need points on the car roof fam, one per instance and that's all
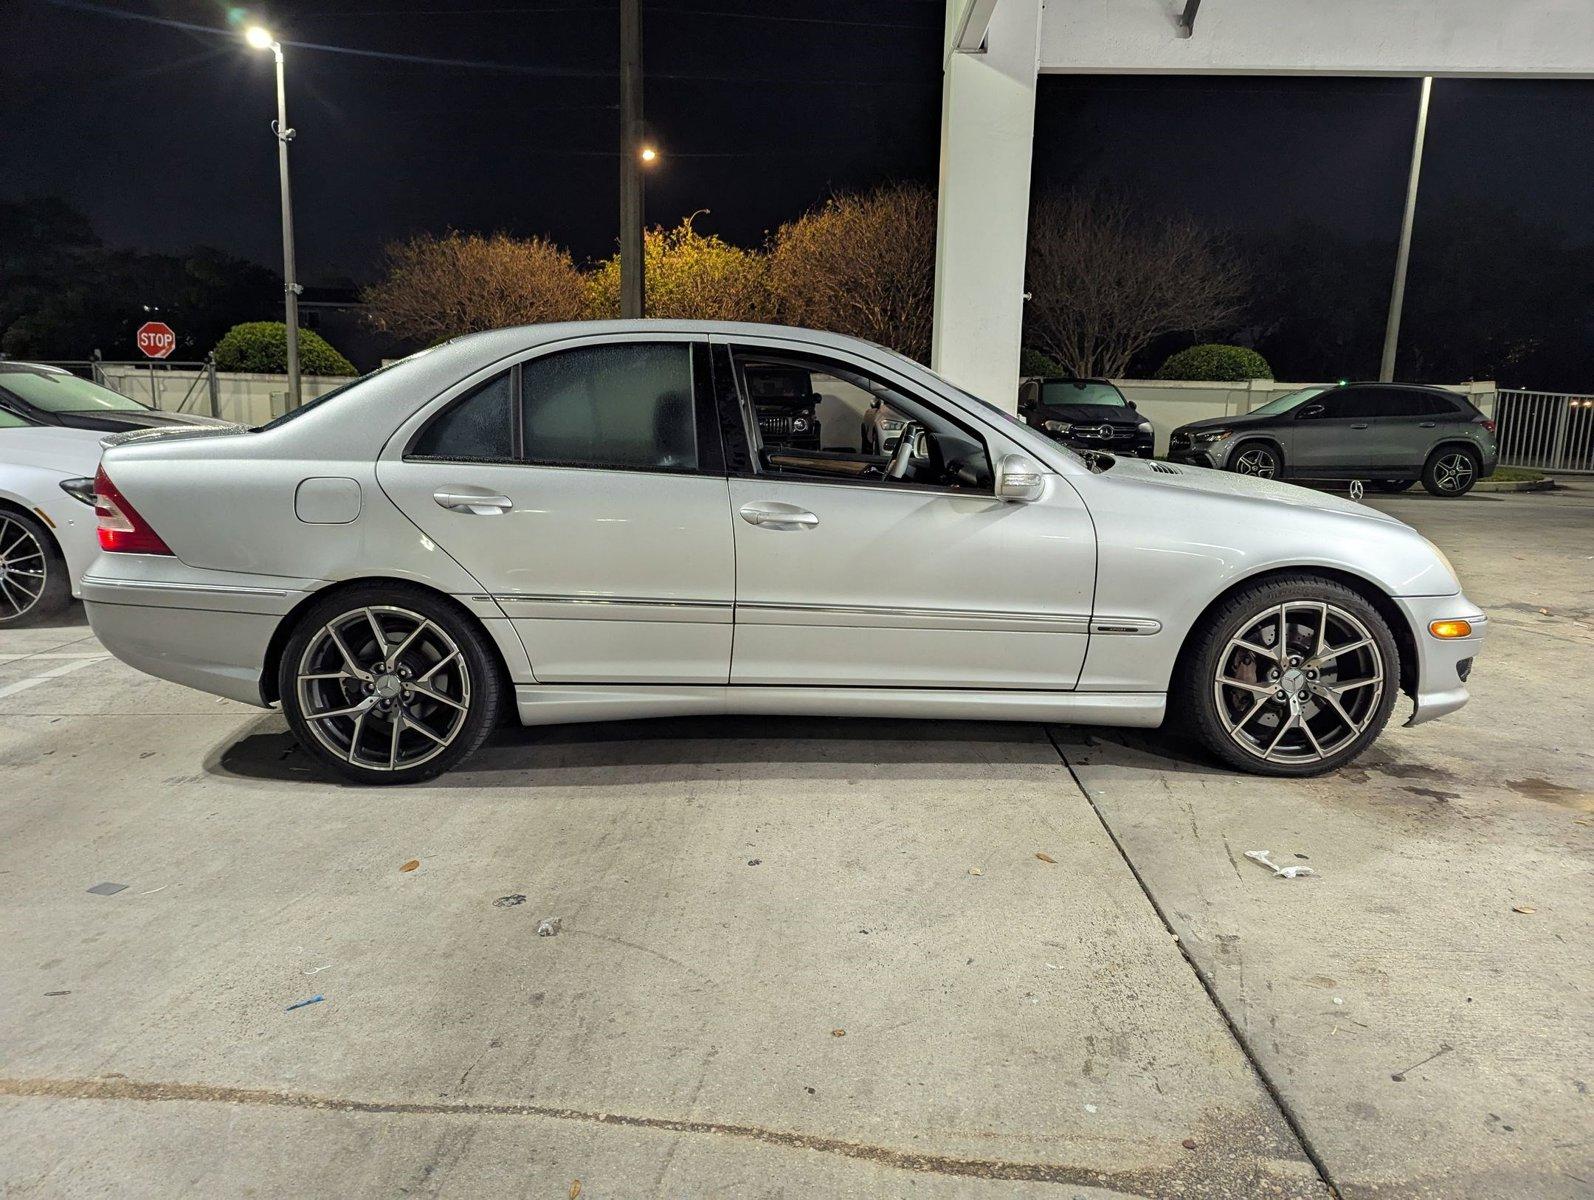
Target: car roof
(28, 368)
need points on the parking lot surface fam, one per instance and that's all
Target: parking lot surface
(825, 958)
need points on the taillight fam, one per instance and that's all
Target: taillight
(122, 530)
(1487, 423)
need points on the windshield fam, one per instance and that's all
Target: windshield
(1084, 391)
(1284, 403)
(59, 393)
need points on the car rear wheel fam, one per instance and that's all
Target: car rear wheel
(1451, 471)
(389, 685)
(33, 576)
(1393, 485)
(1295, 676)
(1255, 458)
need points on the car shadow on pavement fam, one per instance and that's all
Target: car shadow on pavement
(701, 748)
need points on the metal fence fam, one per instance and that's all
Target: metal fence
(1547, 431)
(188, 387)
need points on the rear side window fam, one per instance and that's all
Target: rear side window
(627, 405)
(478, 426)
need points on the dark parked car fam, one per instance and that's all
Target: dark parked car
(788, 407)
(1390, 433)
(42, 395)
(1085, 414)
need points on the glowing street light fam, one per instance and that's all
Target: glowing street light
(261, 39)
(649, 154)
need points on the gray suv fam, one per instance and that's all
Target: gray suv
(1392, 434)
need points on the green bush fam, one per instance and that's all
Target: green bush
(1033, 362)
(1221, 364)
(263, 346)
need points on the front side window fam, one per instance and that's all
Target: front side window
(58, 392)
(626, 405)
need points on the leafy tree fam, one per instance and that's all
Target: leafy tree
(1106, 279)
(263, 346)
(1223, 364)
(689, 276)
(862, 265)
(434, 288)
(1033, 362)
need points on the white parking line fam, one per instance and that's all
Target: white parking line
(66, 668)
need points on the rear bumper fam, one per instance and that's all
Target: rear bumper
(1443, 664)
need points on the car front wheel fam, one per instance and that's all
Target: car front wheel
(1254, 458)
(1451, 471)
(1295, 676)
(388, 685)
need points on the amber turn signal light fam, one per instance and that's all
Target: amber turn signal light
(1450, 629)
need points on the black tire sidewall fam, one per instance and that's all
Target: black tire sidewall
(487, 691)
(1200, 664)
(1430, 479)
(57, 593)
(1245, 447)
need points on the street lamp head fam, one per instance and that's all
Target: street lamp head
(649, 154)
(259, 37)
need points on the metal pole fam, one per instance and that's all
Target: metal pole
(631, 215)
(1397, 293)
(290, 285)
(214, 385)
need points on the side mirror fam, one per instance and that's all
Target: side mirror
(875, 403)
(1131, 404)
(1018, 480)
(1310, 411)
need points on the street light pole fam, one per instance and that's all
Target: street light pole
(262, 40)
(631, 152)
(1397, 293)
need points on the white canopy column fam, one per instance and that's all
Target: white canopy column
(987, 140)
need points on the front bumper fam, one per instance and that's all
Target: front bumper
(1199, 454)
(1142, 445)
(1443, 664)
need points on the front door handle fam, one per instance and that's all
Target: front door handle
(480, 504)
(1426, 425)
(1363, 425)
(773, 515)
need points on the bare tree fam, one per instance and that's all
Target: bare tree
(438, 287)
(862, 265)
(1105, 280)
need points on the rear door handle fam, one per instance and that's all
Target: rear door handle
(1363, 425)
(1426, 425)
(479, 504)
(773, 515)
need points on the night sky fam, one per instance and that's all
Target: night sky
(759, 109)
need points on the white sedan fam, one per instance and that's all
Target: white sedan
(47, 523)
(582, 522)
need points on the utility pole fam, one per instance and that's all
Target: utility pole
(631, 214)
(1397, 293)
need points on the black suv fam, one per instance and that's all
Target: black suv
(1390, 433)
(788, 407)
(1085, 414)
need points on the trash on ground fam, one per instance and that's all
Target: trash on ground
(549, 926)
(575, 1188)
(509, 901)
(107, 889)
(1188, 1143)
(318, 970)
(152, 891)
(1044, 857)
(753, 862)
(1400, 1076)
(976, 871)
(303, 1003)
(1524, 908)
(1261, 856)
(411, 865)
(1090, 1108)
(838, 1033)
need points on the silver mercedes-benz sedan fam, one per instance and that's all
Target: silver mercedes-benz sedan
(582, 521)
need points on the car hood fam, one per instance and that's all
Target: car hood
(1224, 423)
(72, 452)
(1248, 487)
(1089, 414)
(111, 422)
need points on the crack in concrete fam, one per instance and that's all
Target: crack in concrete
(1155, 1183)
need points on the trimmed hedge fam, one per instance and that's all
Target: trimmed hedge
(263, 346)
(1216, 363)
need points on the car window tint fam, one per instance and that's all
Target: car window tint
(622, 405)
(478, 426)
(1336, 405)
(1434, 406)
(11, 420)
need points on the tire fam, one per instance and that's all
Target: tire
(390, 733)
(1393, 485)
(1228, 694)
(34, 584)
(1256, 458)
(1450, 471)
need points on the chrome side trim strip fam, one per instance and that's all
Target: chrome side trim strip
(526, 605)
(200, 589)
(1133, 626)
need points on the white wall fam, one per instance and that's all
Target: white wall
(247, 397)
(1340, 37)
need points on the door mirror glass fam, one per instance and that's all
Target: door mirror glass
(1018, 479)
(1310, 411)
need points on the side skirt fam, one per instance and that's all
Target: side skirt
(562, 704)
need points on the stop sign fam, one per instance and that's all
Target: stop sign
(156, 339)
